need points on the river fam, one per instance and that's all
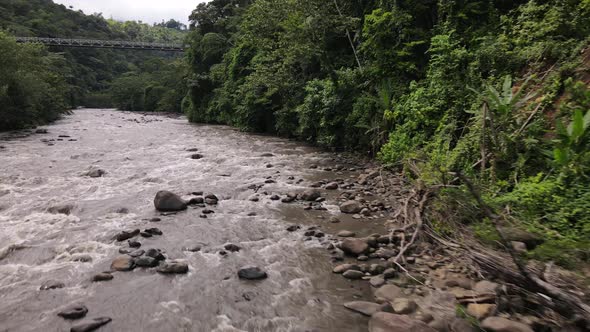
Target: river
(141, 155)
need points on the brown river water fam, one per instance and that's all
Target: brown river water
(142, 155)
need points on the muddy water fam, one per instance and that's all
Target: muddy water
(142, 155)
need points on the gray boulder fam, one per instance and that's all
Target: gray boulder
(351, 207)
(167, 201)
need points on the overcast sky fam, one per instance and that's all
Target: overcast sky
(148, 11)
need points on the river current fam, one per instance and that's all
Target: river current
(141, 155)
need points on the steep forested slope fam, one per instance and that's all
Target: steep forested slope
(90, 72)
(489, 88)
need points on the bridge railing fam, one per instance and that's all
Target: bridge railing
(97, 43)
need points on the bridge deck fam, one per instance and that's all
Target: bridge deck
(95, 43)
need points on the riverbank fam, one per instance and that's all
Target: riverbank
(324, 230)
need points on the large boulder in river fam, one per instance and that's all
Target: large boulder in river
(168, 201)
(351, 207)
(386, 322)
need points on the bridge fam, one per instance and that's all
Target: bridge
(96, 43)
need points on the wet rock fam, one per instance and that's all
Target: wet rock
(254, 198)
(354, 246)
(267, 155)
(74, 312)
(331, 186)
(252, 273)
(137, 253)
(375, 269)
(345, 267)
(96, 173)
(309, 233)
(333, 220)
(155, 220)
(351, 207)
(345, 233)
(61, 209)
(146, 261)
(386, 322)
(167, 201)
(310, 195)
(481, 310)
(134, 244)
(196, 201)
(500, 324)
(388, 293)
(91, 325)
(126, 235)
(122, 263)
(207, 212)
(211, 199)
(363, 307)
(197, 156)
(385, 253)
(125, 251)
(52, 284)
(195, 248)
(319, 234)
(403, 306)
(353, 275)
(173, 267)
(155, 253)
(363, 258)
(275, 198)
(154, 231)
(232, 247)
(293, 228)
(192, 150)
(103, 276)
(389, 273)
(146, 234)
(290, 198)
(377, 281)
(41, 131)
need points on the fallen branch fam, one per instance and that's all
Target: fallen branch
(573, 306)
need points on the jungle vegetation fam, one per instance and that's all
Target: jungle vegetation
(87, 77)
(495, 89)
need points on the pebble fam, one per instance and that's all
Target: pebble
(146, 261)
(363, 307)
(345, 233)
(155, 253)
(103, 276)
(75, 312)
(252, 273)
(293, 228)
(173, 267)
(126, 235)
(232, 247)
(137, 253)
(52, 284)
(91, 325)
(353, 275)
(134, 244)
(122, 263)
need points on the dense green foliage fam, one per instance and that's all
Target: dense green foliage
(32, 89)
(91, 73)
(486, 87)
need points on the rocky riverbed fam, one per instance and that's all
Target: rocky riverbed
(128, 222)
